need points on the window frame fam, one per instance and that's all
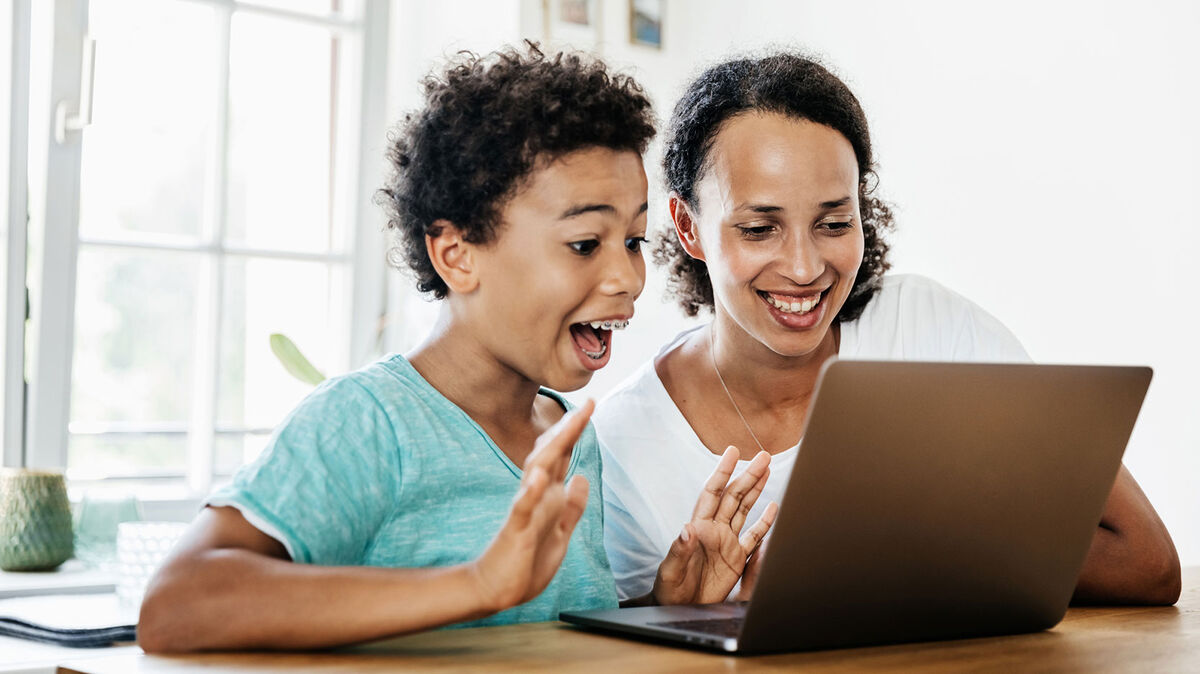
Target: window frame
(360, 77)
(12, 368)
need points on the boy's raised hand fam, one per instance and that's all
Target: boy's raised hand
(709, 556)
(524, 556)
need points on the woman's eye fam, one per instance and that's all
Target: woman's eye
(756, 231)
(584, 247)
(634, 244)
(837, 226)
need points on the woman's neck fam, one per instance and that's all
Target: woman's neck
(463, 370)
(762, 378)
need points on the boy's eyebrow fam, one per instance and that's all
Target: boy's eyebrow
(586, 208)
(596, 208)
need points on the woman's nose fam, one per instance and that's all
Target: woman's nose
(805, 262)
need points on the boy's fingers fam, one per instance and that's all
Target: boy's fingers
(532, 488)
(714, 487)
(577, 496)
(755, 534)
(739, 517)
(552, 451)
(739, 491)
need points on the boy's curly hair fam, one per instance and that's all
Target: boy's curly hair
(784, 83)
(486, 121)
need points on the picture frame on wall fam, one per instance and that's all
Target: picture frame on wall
(645, 22)
(572, 23)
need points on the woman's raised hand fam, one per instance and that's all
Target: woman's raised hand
(709, 555)
(522, 559)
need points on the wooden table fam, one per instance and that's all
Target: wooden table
(1138, 639)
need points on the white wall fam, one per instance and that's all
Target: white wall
(1042, 157)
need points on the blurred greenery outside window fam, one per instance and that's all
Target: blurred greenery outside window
(218, 194)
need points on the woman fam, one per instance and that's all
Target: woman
(770, 171)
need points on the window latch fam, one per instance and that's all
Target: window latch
(65, 122)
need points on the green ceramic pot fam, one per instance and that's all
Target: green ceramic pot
(35, 520)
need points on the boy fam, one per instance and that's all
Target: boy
(432, 490)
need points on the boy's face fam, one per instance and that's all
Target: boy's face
(567, 254)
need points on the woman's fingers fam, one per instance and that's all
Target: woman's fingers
(754, 536)
(552, 451)
(741, 493)
(751, 497)
(674, 568)
(714, 487)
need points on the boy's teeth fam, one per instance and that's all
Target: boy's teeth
(795, 305)
(596, 355)
(609, 325)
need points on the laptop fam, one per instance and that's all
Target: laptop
(928, 501)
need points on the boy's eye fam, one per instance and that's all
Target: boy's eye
(584, 247)
(634, 243)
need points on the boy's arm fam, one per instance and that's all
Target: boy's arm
(229, 586)
(1132, 559)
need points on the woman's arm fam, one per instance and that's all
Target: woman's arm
(710, 554)
(229, 586)
(1132, 559)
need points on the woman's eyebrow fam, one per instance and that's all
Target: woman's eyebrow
(836, 203)
(758, 208)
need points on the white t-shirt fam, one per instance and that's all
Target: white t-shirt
(655, 465)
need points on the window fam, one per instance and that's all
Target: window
(209, 183)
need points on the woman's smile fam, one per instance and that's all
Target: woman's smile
(795, 311)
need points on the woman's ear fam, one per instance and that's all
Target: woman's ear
(685, 227)
(452, 257)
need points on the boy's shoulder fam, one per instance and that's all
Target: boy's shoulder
(389, 381)
(388, 388)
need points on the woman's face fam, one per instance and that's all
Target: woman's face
(778, 226)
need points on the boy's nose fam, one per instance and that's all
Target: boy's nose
(625, 275)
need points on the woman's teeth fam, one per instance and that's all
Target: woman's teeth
(794, 305)
(595, 355)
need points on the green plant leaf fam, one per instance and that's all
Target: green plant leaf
(294, 361)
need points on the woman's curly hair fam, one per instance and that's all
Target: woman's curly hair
(782, 83)
(486, 121)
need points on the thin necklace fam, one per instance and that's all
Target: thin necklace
(712, 351)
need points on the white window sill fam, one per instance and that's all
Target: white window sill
(73, 577)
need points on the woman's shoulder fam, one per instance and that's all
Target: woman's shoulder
(632, 398)
(914, 317)
(639, 409)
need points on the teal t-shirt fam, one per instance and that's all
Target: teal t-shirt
(376, 468)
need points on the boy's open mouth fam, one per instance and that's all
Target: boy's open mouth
(592, 338)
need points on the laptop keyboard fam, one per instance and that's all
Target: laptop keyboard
(723, 627)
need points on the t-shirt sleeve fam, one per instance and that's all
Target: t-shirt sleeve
(916, 318)
(622, 425)
(631, 553)
(328, 479)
